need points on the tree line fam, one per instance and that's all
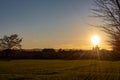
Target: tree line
(56, 54)
(11, 48)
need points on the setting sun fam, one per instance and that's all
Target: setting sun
(95, 40)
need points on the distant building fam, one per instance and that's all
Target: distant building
(96, 48)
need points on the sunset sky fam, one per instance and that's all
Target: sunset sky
(50, 23)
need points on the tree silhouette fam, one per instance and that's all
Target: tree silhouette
(10, 42)
(109, 11)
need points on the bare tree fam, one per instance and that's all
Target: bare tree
(10, 42)
(109, 11)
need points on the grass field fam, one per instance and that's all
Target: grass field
(59, 70)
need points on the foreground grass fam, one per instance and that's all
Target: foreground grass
(59, 70)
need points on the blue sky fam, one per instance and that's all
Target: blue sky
(48, 23)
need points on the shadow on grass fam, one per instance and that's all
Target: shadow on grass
(20, 78)
(46, 73)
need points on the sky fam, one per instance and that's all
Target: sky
(50, 23)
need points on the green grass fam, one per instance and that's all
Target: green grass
(59, 70)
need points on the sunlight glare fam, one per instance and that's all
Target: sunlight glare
(95, 40)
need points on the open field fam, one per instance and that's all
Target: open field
(59, 70)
